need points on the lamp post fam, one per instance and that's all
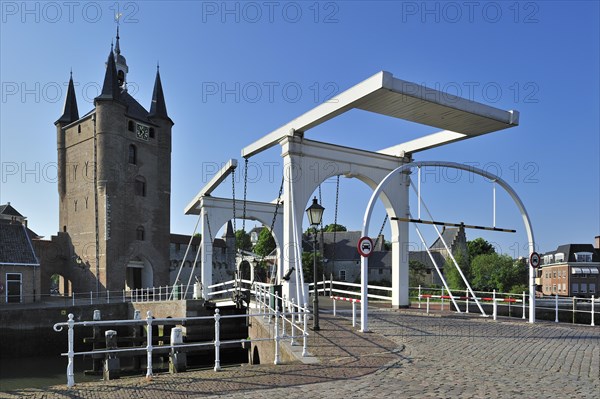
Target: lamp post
(315, 215)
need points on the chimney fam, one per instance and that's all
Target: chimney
(597, 245)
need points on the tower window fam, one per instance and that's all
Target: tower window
(151, 132)
(132, 154)
(140, 186)
(131, 126)
(139, 233)
(79, 129)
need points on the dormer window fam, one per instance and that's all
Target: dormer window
(559, 257)
(583, 256)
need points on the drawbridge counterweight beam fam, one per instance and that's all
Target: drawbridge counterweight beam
(466, 226)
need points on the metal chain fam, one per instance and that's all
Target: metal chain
(209, 231)
(233, 197)
(277, 206)
(381, 230)
(337, 195)
(245, 189)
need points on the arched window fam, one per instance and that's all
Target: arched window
(131, 126)
(132, 154)
(140, 186)
(151, 132)
(139, 233)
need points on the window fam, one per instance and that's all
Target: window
(132, 154)
(559, 257)
(151, 132)
(131, 126)
(575, 288)
(554, 274)
(79, 129)
(583, 256)
(342, 275)
(553, 287)
(139, 233)
(583, 287)
(592, 288)
(178, 247)
(564, 287)
(140, 186)
(14, 287)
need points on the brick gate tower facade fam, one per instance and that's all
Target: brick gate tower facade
(114, 184)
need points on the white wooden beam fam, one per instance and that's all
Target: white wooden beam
(424, 143)
(213, 183)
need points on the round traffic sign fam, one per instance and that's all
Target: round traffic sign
(534, 259)
(365, 246)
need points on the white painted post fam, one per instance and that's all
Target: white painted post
(70, 351)
(91, 298)
(217, 341)
(149, 344)
(293, 318)
(419, 289)
(353, 314)
(73, 298)
(276, 361)
(556, 308)
(495, 307)
(467, 306)
(107, 296)
(523, 305)
(304, 331)
(442, 298)
(592, 324)
(427, 305)
(333, 306)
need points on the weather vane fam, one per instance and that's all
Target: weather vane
(118, 17)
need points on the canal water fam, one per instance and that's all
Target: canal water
(40, 372)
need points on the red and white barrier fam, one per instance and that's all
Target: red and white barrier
(354, 302)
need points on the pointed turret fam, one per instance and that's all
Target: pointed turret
(158, 108)
(70, 112)
(121, 64)
(110, 88)
(229, 230)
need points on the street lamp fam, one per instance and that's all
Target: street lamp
(315, 215)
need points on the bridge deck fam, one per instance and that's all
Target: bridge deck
(406, 355)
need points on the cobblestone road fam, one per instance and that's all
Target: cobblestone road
(406, 355)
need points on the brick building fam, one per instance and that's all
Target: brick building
(571, 270)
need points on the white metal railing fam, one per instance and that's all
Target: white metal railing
(516, 304)
(279, 334)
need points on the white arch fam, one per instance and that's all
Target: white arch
(453, 165)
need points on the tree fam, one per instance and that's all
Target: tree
(479, 246)
(499, 272)
(451, 273)
(307, 266)
(330, 228)
(242, 240)
(265, 244)
(417, 273)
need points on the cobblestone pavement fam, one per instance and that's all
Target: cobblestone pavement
(405, 355)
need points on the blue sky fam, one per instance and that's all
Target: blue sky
(234, 71)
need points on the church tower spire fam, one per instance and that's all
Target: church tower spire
(70, 112)
(121, 64)
(158, 107)
(110, 88)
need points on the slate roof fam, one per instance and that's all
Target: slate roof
(571, 249)
(7, 209)
(448, 234)
(15, 245)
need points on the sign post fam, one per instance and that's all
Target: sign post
(534, 260)
(365, 246)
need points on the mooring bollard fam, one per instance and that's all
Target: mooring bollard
(112, 364)
(177, 359)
